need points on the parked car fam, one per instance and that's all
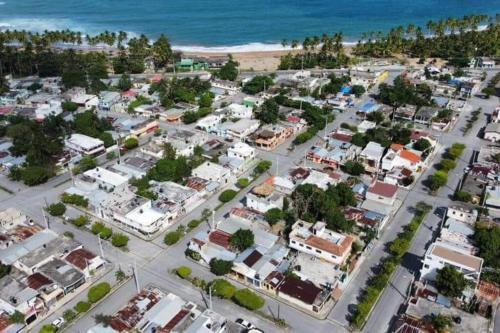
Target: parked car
(58, 322)
(245, 324)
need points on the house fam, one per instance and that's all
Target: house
(321, 179)
(242, 151)
(137, 127)
(79, 96)
(154, 149)
(270, 136)
(463, 213)
(101, 178)
(210, 122)
(17, 296)
(85, 261)
(241, 129)
(458, 232)
(52, 108)
(320, 242)
(485, 63)
(368, 107)
(370, 156)
(208, 322)
(107, 99)
(335, 154)
(263, 198)
(252, 102)
(441, 254)
(85, 145)
(492, 132)
(227, 87)
(366, 125)
(303, 293)
(183, 141)
(134, 166)
(426, 114)
(382, 192)
(173, 199)
(492, 194)
(405, 113)
(63, 274)
(239, 111)
(213, 172)
(398, 156)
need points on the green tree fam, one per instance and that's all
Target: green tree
(183, 272)
(69, 315)
(273, 216)
(269, 112)
(57, 209)
(80, 221)
(162, 51)
(172, 237)
(438, 180)
(354, 168)
(447, 164)
(227, 195)
(220, 267)
(243, 182)
(248, 299)
(125, 83)
(86, 163)
(82, 307)
(206, 100)
(131, 143)
(221, 288)
(440, 323)
(119, 240)
(422, 144)
(17, 318)
(69, 106)
(262, 167)
(242, 239)
(257, 84)
(450, 282)
(229, 71)
(98, 291)
(358, 90)
(487, 239)
(120, 275)
(48, 329)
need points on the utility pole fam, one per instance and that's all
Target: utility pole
(119, 150)
(136, 278)
(212, 227)
(210, 297)
(100, 246)
(277, 166)
(45, 219)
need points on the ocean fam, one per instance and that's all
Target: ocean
(233, 25)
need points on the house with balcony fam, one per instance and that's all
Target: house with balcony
(371, 157)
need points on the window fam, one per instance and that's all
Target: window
(293, 242)
(426, 266)
(318, 251)
(308, 247)
(300, 244)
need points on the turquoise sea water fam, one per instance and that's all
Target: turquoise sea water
(233, 22)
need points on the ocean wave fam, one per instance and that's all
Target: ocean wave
(40, 25)
(2, 3)
(244, 48)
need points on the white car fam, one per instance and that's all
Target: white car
(58, 322)
(244, 323)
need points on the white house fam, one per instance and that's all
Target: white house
(80, 97)
(462, 213)
(241, 129)
(492, 132)
(320, 242)
(239, 111)
(213, 172)
(398, 156)
(370, 156)
(85, 145)
(101, 178)
(52, 108)
(210, 122)
(241, 151)
(442, 254)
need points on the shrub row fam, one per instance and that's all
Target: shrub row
(117, 239)
(440, 177)
(379, 282)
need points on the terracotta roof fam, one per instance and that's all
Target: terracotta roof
(397, 146)
(80, 258)
(252, 258)
(410, 156)
(37, 280)
(174, 321)
(341, 137)
(220, 238)
(406, 172)
(4, 322)
(293, 119)
(326, 245)
(383, 189)
(263, 189)
(299, 173)
(488, 291)
(415, 135)
(305, 291)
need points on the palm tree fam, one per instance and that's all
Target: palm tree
(284, 43)
(295, 44)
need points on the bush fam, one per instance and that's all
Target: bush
(192, 254)
(48, 329)
(106, 233)
(183, 271)
(75, 199)
(80, 221)
(399, 247)
(227, 195)
(463, 196)
(69, 315)
(447, 164)
(248, 299)
(273, 216)
(439, 179)
(243, 182)
(82, 307)
(131, 143)
(172, 237)
(69, 106)
(97, 292)
(220, 267)
(69, 234)
(193, 224)
(97, 228)
(354, 168)
(57, 209)
(262, 167)
(242, 239)
(111, 155)
(222, 288)
(119, 240)
(305, 136)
